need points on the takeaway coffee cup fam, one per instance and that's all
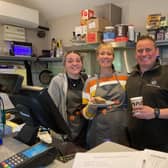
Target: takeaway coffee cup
(136, 102)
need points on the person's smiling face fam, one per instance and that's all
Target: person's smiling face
(73, 64)
(105, 57)
(146, 54)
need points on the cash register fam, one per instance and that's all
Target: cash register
(40, 110)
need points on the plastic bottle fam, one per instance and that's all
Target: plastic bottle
(60, 48)
(131, 33)
(53, 47)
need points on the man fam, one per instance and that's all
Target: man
(148, 125)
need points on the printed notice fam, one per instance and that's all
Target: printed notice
(108, 160)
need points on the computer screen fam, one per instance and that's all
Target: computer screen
(41, 108)
(10, 83)
(22, 49)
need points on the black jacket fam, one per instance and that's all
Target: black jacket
(153, 86)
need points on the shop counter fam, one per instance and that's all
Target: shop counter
(11, 146)
(104, 147)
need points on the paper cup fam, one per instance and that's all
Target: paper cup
(136, 102)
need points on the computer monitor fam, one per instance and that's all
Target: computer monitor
(21, 49)
(10, 83)
(41, 109)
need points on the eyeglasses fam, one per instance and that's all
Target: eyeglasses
(141, 50)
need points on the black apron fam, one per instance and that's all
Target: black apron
(77, 123)
(112, 125)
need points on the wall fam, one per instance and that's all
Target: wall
(139, 10)
(31, 34)
(133, 12)
(63, 27)
(38, 43)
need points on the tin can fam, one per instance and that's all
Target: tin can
(121, 33)
(121, 30)
(109, 34)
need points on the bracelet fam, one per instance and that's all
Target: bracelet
(156, 112)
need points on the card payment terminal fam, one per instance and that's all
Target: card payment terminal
(37, 155)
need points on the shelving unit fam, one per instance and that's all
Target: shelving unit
(124, 56)
(92, 47)
(163, 50)
(162, 43)
(28, 63)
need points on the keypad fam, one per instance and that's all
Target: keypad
(13, 161)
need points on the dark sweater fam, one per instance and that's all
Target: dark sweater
(153, 86)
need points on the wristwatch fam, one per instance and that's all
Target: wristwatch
(157, 112)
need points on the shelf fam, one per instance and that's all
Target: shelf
(162, 43)
(32, 59)
(92, 47)
(13, 58)
(82, 47)
(47, 59)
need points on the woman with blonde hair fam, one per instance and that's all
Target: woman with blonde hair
(104, 97)
(66, 91)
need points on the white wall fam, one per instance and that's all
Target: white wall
(62, 28)
(38, 44)
(140, 9)
(133, 12)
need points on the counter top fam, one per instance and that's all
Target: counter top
(11, 146)
(104, 147)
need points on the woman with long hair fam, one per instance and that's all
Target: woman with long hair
(66, 91)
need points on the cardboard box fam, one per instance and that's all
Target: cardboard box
(80, 30)
(83, 22)
(93, 37)
(97, 24)
(86, 14)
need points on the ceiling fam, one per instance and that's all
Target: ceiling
(51, 9)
